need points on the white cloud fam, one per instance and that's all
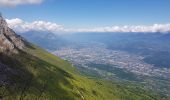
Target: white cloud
(22, 26)
(9, 3)
(139, 28)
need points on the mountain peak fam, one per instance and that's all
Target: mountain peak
(3, 23)
(0, 14)
(9, 40)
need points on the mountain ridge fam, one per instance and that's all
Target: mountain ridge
(9, 40)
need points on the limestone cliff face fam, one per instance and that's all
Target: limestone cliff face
(9, 40)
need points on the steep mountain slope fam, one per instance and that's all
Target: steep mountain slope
(27, 72)
(9, 41)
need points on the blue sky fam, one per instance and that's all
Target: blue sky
(87, 15)
(91, 13)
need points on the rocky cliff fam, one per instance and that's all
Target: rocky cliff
(9, 40)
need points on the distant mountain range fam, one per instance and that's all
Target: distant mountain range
(46, 40)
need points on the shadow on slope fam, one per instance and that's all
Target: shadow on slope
(24, 76)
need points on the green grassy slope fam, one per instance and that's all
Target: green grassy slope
(39, 75)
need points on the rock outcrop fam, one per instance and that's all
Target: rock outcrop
(9, 40)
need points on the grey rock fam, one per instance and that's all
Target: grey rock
(9, 40)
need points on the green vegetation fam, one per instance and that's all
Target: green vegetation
(118, 72)
(39, 75)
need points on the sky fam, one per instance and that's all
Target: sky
(88, 15)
